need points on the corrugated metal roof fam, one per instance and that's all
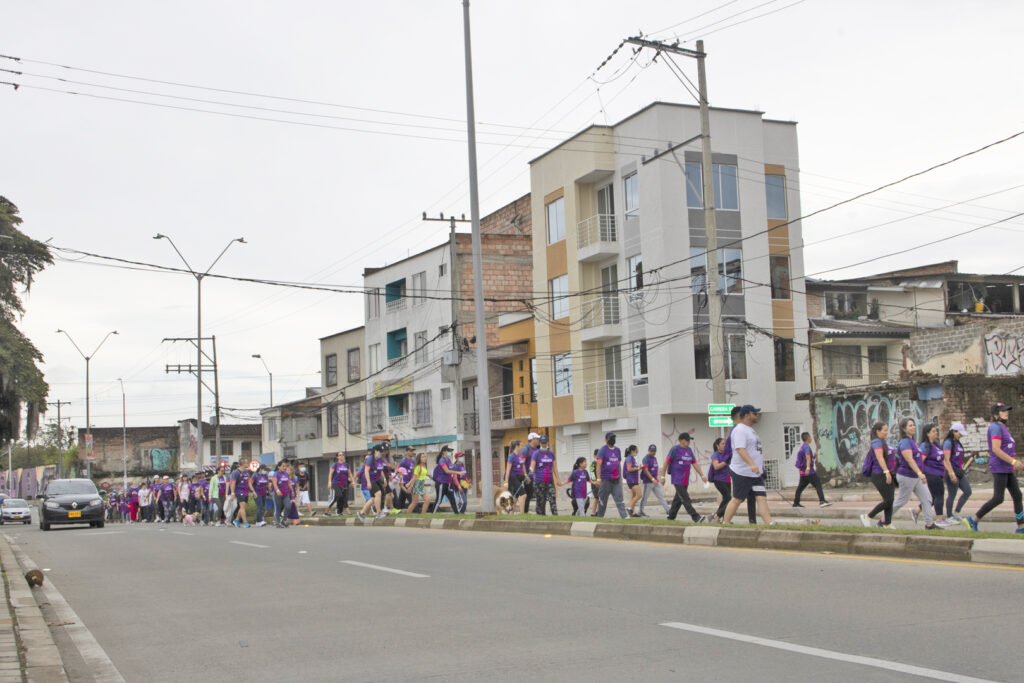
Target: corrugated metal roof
(858, 328)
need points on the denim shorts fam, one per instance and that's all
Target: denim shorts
(367, 495)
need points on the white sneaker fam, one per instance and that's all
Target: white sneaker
(866, 521)
(943, 523)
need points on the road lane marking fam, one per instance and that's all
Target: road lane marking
(181, 533)
(103, 533)
(385, 569)
(827, 654)
(251, 545)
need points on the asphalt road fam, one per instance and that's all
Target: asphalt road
(169, 603)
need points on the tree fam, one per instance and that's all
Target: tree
(21, 380)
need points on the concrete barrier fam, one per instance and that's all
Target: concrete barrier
(998, 551)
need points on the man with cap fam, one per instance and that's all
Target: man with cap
(1003, 464)
(678, 463)
(609, 476)
(734, 415)
(544, 473)
(649, 479)
(747, 465)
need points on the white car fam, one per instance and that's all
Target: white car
(15, 510)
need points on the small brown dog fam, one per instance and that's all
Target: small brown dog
(504, 504)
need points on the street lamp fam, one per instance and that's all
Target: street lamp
(124, 434)
(199, 334)
(88, 423)
(256, 355)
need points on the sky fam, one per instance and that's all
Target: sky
(340, 122)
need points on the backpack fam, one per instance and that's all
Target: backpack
(869, 461)
(436, 473)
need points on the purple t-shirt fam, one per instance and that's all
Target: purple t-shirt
(543, 460)
(442, 477)
(167, 491)
(241, 479)
(339, 474)
(579, 480)
(193, 486)
(933, 460)
(649, 463)
(259, 484)
(374, 473)
(408, 464)
(903, 468)
(611, 462)
(996, 465)
(133, 495)
(678, 464)
(887, 455)
(518, 462)
(632, 478)
(956, 453)
(721, 475)
(804, 456)
(284, 484)
(383, 468)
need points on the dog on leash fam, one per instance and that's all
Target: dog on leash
(504, 504)
(190, 520)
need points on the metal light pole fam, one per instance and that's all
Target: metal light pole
(88, 422)
(256, 355)
(124, 433)
(199, 335)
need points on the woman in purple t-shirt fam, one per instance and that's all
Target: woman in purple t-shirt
(934, 468)
(631, 470)
(1003, 464)
(718, 474)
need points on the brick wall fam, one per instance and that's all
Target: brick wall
(925, 344)
(968, 399)
(507, 274)
(815, 305)
(514, 218)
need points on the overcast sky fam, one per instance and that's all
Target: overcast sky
(880, 89)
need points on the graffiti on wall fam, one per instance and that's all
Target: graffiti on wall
(844, 424)
(188, 437)
(1004, 353)
(162, 459)
(27, 482)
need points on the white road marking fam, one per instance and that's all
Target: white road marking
(303, 552)
(251, 545)
(181, 533)
(385, 569)
(828, 654)
(103, 533)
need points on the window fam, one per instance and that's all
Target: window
(354, 419)
(332, 420)
(353, 365)
(791, 439)
(419, 342)
(640, 362)
(558, 288)
(846, 305)
(272, 429)
(842, 362)
(398, 346)
(446, 393)
(726, 192)
(562, 366)
(421, 412)
(331, 369)
(226, 447)
(533, 380)
(735, 356)
(775, 196)
(247, 449)
(785, 368)
(730, 264)
(373, 359)
(635, 268)
(394, 295)
(419, 287)
(375, 415)
(373, 303)
(442, 270)
(556, 220)
(779, 266)
(632, 195)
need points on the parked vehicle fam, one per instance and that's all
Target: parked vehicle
(70, 501)
(15, 510)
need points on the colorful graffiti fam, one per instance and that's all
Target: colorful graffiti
(844, 424)
(163, 459)
(1004, 353)
(27, 482)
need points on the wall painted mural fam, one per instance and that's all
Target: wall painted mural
(844, 424)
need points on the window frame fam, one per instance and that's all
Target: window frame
(373, 303)
(771, 187)
(559, 302)
(418, 287)
(373, 359)
(557, 205)
(348, 360)
(566, 360)
(635, 271)
(639, 364)
(331, 374)
(332, 419)
(779, 291)
(357, 408)
(695, 190)
(420, 407)
(421, 351)
(782, 348)
(632, 208)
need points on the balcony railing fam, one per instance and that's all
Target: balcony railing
(471, 423)
(839, 379)
(395, 304)
(608, 393)
(510, 407)
(600, 310)
(597, 228)
(397, 362)
(399, 421)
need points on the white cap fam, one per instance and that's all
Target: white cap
(532, 436)
(958, 427)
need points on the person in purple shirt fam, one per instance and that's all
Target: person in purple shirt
(339, 475)
(934, 468)
(1003, 464)
(167, 499)
(374, 481)
(544, 473)
(631, 475)
(882, 463)
(609, 476)
(443, 475)
(718, 475)
(579, 478)
(261, 490)
(527, 451)
(240, 492)
(459, 483)
(805, 463)
(678, 463)
(516, 470)
(649, 480)
(407, 463)
(910, 476)
(955, 475)
(284, 494)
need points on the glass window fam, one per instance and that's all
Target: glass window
(725, 181)
(562, 366)
(398, 346)
(775, 196)
(735, 356)
(373, 303)
(375, 415)
(272, 429)
(419, 342)
(373, 358)
(730, 265)
(842, 362)
(421, 412)
(533, 380)
(442, 270)
(556, 220)
(639, 362)
(791, 439)
(632, 193)
(785, 368)
(446, 393)
(331, 369)
(779, 266)
(354, 417)
(419, 287)
(332, 420)
(353, 365)
(694, 189)
(635, 267)
(558, 288)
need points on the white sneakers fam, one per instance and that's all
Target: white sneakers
(866, 521)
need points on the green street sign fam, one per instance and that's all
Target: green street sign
(719, 421)
(720, 408)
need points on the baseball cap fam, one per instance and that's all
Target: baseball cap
(652, 448)
(532, 436)
(748, 409)
(1000, 407)
(958, 427)
(544, 438)
(445, 448)
(685, 435)
(609, 435)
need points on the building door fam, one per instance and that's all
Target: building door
(609, 292)
(878, 371)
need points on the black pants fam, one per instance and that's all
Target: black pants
(403, 499)
(339, 498)
(528, 492)
(964, 486)
(682, 499)
(814, 481)
(887, 492)
(938, 490)
(1000, 483)
(446, 491)
(725, 488)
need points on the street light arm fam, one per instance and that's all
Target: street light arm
(122, 386)
(102, 342)
(256, 355)
(174, 246)
(240, 240)
(73, 343)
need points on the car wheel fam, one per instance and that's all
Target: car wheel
(99, 524)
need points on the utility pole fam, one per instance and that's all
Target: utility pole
(483, 381)
(88, 423)
(456, 313)
(124, 433)
(60, 435)
(197, 370)
(216, 403)
(716, 332)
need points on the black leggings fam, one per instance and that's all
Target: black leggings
(887, 491)
(445, 490)
(814, 481)
(964, 485)
(938, 490)
(1001, 482)
(725, 488)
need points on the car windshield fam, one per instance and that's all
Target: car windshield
(15, 503)
(70, 486)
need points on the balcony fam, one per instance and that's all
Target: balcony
(471, 423)
(397, 362)
(832, 380)
(608, 393)
(395, 304)
(596, 238)
(600, 318)
(398, 422)
(510, 411)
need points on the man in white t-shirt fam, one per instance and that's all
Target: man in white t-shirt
(747, 466)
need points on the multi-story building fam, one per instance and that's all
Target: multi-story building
(292, 430)
(342, 397)
(622, 341)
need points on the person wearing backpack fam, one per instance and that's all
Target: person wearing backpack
(544, 473)
(878, 467)
(805, 463)
(956, 477)
(443, 476)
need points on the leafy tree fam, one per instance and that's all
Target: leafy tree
(21, 380)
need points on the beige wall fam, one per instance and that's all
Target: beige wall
(340, 344)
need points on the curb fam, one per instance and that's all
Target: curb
(983, 550)
(37, 650)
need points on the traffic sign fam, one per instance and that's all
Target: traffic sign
(720, 408)
(719, 421)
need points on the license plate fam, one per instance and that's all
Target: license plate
(74, 513)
